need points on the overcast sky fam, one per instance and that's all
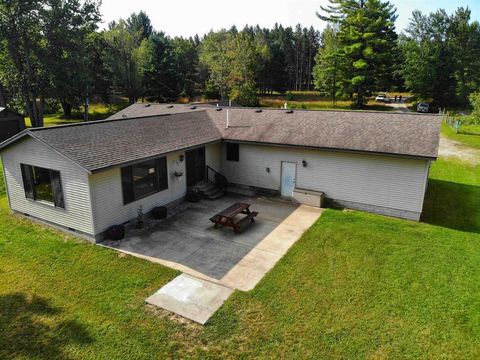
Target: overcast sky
(190, 17)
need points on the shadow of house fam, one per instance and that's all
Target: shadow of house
(453, 205)
(30, 328)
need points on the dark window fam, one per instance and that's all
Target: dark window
(42, 184)
(144, 179)
(233, 152)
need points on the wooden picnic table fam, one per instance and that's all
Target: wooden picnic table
(227, 216)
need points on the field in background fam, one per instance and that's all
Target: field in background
(311, 100)
(96, 112)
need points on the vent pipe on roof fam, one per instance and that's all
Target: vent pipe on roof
(228, 119)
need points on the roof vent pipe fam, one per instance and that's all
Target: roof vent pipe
(228, 119)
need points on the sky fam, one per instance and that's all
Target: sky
(189, 17)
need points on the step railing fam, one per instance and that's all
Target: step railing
(216, 178)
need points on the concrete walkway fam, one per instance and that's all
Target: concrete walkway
(188, 242)
(214, 262)
(192, 298)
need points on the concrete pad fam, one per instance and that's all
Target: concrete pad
(190, 297)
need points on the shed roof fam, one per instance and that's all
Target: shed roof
(140, 132)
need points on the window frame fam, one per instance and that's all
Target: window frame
(128, 183)
(29, 186)
(236, 149)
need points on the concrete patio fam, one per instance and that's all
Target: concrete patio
(189, 243)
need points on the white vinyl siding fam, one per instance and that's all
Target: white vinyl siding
(107, 197)
(376, 180)
(213, 156)
(77, 213)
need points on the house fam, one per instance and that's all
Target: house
(11, 123)
(87, 177)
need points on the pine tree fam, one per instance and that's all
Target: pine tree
(367, 38)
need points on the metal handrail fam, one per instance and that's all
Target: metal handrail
(216, 178)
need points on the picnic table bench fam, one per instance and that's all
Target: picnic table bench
(227, 216)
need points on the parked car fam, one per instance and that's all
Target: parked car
(423, 107)
(381, 98)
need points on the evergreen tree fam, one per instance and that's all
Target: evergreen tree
(328, 62)
(368, 40)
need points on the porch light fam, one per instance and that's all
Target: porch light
(182, 157)
(304, 163)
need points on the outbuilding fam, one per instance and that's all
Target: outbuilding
(87, 177)
(11, 123)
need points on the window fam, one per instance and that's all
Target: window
(233, 152)
(144, 179)
(42, 185)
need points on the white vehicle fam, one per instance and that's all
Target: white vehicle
(423, 107)
(381, 98)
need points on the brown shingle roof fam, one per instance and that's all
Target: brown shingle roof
(103, 144)
(160, 129)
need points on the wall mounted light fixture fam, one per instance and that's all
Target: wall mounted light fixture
(182, 157)
(304, 163)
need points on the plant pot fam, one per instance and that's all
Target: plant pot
(116, 232)
(178, 173)
(159, 212)
(193, 195)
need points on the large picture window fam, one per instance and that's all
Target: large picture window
(43, 185)
(144, 179)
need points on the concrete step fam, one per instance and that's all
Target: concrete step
(216, 195)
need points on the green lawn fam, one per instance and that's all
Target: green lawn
(355, 286)
(311, 100)
(96, 112)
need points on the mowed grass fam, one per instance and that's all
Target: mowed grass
(467, 139)
(355, 286)
(97, 111)
(311, 100)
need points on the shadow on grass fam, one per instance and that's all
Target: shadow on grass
(452, 205)
(29, 328)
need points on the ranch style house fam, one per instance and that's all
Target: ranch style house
(87, 177)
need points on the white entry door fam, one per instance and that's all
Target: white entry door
(289, 173)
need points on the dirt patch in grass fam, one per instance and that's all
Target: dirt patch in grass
(451, 148)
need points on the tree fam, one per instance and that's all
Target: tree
(140, 25)
(212, 55)
(243, 55)
(122, 45)
(326, 72)
(67, 25)
(368, 39)
(442, 56)
(185, 52)
(24, 64)
(158, 70)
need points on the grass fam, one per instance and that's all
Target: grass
(466, 139)
(311, 100)
(356, 285)
(96, 112)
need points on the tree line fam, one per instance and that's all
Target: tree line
(437, 58)
(53, 55)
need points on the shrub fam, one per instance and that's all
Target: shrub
(475, 102)
(245, 95)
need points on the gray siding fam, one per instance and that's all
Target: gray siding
(77, 213)
(373, 180)
(107, 198)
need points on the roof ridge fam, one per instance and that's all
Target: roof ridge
(86, 123)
